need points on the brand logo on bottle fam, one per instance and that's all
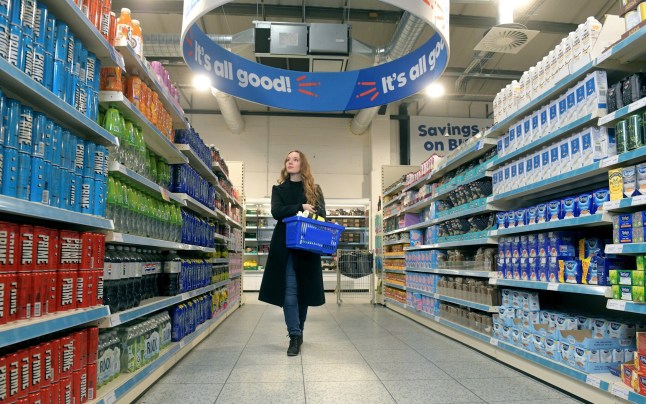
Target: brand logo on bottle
(73, 193)
(42, 249)
(13, 298)
(105, 24)
(68, 356)
(70, 250)
(14, 40)
(38, 67)
(27, 257)
(49, 366)
(83, 387)
(6, 248)
(99, 292)
(67, 292)
(91, 68)
(25, 130)
(85, 196)
(80, 99)
(99, 158)
(36, 363)
(70, 52)
(29, 59)
(14, 377)
(24, 372)
(37, 22)
(79, 290)
(80, 150)
(67, 399)
(28, 9)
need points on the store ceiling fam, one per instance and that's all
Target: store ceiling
(374, 23)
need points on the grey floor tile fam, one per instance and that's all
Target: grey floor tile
(197, 374)
(430, 391)
(477, 369)
(408, 371)
(316, 357)
(509, 389)
(369, 344)
(266, 357)
(206, 358)
(268, 373)
(393, 356)
(324, 345)
(359, 392)
(455, 354)
(563, 400)
(178, 393)
(262, 393)
(343, 372)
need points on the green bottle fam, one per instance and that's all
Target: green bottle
(131, 139)
(152, 162)
(111, 200)
(141, 149)
(112, 123)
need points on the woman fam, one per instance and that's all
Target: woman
(293, 279)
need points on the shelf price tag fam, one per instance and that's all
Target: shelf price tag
(605, 55)
(493, 281)
(611, 205)
(111, 398)
(117, 237)
(493, 341)
(610, 161)
(614, 304)
(115, 321)
(436, 318)
(614, 248)
(164, 193)
(553, 286)
(620, 391)
(636, 105)
(593, 381)
(638, 200)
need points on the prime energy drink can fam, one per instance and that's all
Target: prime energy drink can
(100, 166)
(5, 8)
(50, 48)
(53, 186)
(36, 359)
(79, 156)
(8, 246)
(28, 54)
(11, 122)
(39, 293)
(39, 126)
(24, 295)
(99, 198)
(39, 62)
(48, 140)
(5, 285)
(37, 182)
(14, 49)
(50, 304)
(66, 290)
(66, 349)
(23, 12)
(73, 192)
(70, 250)
(87, 195)
(89, 158)
(64, 189)
(44, 248)
(26, 248)
(25, 372)
(24, 176)
(66, 394)
(10, 172)
(63, 148)
(4, 37)
(40, 24)
(25, 129)
(55, 146)
(50, 353)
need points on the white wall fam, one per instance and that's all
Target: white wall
(341, 162)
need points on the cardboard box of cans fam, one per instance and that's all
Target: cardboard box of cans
(588, 344)
(476, 321)
(43, 271)
(60, 370)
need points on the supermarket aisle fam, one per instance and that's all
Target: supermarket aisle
(355, 353)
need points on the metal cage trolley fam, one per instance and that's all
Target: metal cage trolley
(355, 275)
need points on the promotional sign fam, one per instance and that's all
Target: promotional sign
(308, 91)
(440, 135)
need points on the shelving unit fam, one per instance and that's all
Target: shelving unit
(453, 272)
(455, 300)
(201, 167)
(129, 239)
(123, 172)
(576, 222)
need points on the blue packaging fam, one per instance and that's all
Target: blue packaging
(87, 195)
(561, 244)
(64, 188)
(61, 42)
(501, 146)
(27, 15)
(39, 64)
(543, 269)
(554, 156)
(533, 268)
(524, 269)
(47, 175)
(68, 152)
(28, 55)
(625, 220)
(511, 219)
(40, 24)
(553, 269)
(4, 36)
(48, 140)
(1, 163)
(515, 246)
(50, 46)
(93, 67)
(56, 144)
(24, 175)
(89, 157)
(25, 129)
(4, 8)
(532, 245)
(14, 50)
(541, 213)
(53, 185)
(569, 207)
(570, 271)
(521, 217)
(101, 163)
(625, 235)
(10, 172)
(599, 197)
(542, 244)
(524, 247)
(75, 193)
(554, 212)
(37, 181)
(99, 199)
(80, 59)
(501, 220)
(592, 247)
(3, 114)
(532, 214)
(512, 137)
(59, 79)
(562, 109)
(11, 122)
(501, 266)
(585, 205)
(38, 129)
(513, 271)
(537, 164)
(571, 100)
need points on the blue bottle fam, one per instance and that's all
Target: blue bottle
(89, 158)
(56, 145)
(64, 189)
(79, 156)
(10, 172)
(39, 127)
(25, 129)
(11, 122)
(50, 45)
(14, 50)
(87, 195)
(99, 199)
(53, 186)
(40, 24)
(4, 36)
(24, 175)
(28, 55)
(37, 181)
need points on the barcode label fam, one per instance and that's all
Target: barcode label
(493, 341)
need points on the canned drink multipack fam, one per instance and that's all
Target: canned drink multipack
(26, 248)
(8, 246)
(65, 290)
(70, 250)
(36, 366)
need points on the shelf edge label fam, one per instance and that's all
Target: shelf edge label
(593, 381)
(620, 391)
(614, 304)
(614, 248)
(553, 286)
(609, 161)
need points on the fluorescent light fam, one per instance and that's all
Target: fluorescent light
(201, 82)
(435, 90)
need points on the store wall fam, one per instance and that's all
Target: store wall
(341, 161)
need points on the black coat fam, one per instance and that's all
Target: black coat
(286, 201)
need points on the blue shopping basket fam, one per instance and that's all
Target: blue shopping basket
(312, 235)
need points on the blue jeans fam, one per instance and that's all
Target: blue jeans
(295, 314)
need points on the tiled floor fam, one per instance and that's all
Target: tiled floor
(355, 353)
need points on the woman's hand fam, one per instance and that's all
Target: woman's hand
(309, 208)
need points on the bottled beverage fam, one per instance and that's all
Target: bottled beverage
(134, 91)
(141, 150)
(152, 166)
(111, 275)
(124, 281)
(117, 346)
(124, 28)
(112, 123)
(111, 201)
(129, 354)
(131, 158)
(137, 39)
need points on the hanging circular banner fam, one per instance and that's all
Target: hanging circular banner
(319, 92)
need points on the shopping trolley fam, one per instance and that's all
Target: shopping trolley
(354, 275)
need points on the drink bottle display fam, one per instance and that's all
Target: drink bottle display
(183, 275)
(196, 230)
(192, 138)
(188, 181)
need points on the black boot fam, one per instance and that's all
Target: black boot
(294, 346)
(300, 340)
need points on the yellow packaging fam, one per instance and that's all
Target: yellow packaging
(642, 11)
(616, 184)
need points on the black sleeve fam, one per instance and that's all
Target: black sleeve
(320, 202)
(279, 210)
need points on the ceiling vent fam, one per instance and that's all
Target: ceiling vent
(506, 39)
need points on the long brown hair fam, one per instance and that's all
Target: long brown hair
(311, 191)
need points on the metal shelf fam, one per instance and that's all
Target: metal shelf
(455, 300)
(626, 306)
(201, 167)
(454, 272)
(395, 302)
(452, 244)
(155, 140)
(394, 285)
(220, 237)
(465, 180)
(394, 189)
(198, 207)
(232, 222)
(130, 239)
(220, 260)
(556, 287)
(600, 219)
(484, 208)
(235, 276)
(400, 256)
(69, 13)
(546, 140)
(128, 386)
(35, 210)
(134, 65)
(392, 215)
(218, 169)
(25, 330)
(398, 242)
(393, 271)
(629, 248)
(124, 172)
(622, 113)
(418, 206)
(393, 201)
(155, 304)
(464, 330)
(258, 254)
(18, 85)
(625, 204)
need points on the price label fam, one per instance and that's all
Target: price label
(593, 381)
(182, 343)
(437, 318)
(638, 200)
(610, 161)
(614, 248)
(114, 321)
(605, 55)
(620, 391)
(117, 237)
(493, 341)
(111, 398)
(493, 281)
(553, 286)
(614, 304)
(164, 193)
(610, 205)
(636, 105)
